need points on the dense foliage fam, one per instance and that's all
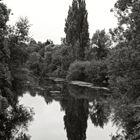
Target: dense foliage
(13, 76)
(107, 60)
(76, 29)
(124, 68)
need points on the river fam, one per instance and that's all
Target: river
(67, 113)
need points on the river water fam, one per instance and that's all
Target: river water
(66, 114)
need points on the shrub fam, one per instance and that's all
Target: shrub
(77, 70)
(97, 72)
(94, 71)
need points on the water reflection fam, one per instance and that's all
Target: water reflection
(77, 109)
(48, 120)
(77, 104)
(75, 119)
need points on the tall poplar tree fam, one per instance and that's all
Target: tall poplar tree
(76, 28)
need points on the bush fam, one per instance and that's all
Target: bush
(77, 70)
(94, 71)
(97, 72)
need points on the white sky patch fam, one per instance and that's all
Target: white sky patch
(47, 17)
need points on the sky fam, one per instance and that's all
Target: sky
(47, 17)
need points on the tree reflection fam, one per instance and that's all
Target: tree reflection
(99, 113)
(78, 105)
(75, 119)
(76, 115)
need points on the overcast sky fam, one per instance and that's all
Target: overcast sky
(48, 16)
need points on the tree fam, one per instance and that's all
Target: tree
(76, 28)
(17, 43)
(124, 67)
(102, 42)
(12, 56)
(4, 17)
(14, 122)
(5, 74)
(22, 28)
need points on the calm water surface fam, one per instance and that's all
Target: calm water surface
(60, 120)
